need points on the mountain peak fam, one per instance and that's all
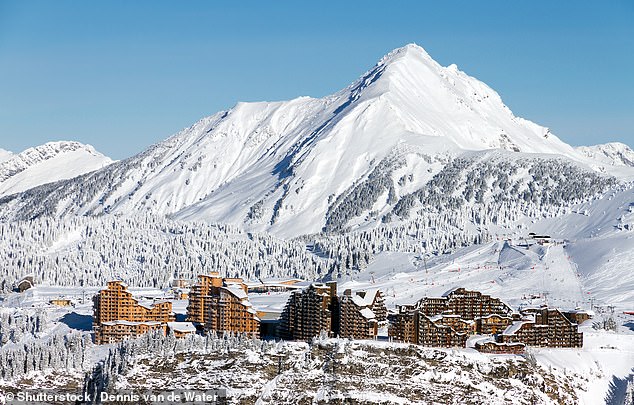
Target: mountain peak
(408, 52)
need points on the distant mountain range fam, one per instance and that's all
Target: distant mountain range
(47, 163)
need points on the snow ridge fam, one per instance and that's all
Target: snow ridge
(46, 163)
(613, 153)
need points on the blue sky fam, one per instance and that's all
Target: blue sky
(122, 75)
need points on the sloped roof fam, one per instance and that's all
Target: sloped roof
(183, 327)
(367, 313)
(514, 327)
(236, 291)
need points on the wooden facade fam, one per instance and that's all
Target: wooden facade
(222, 305)
(430, 333)
(543, 327)
(357, 320)
(376, 302)
(492, 324)
(578, 316)
(318, 309)
(413, 326)
(61, 302)
(309, 312)
(448, 320)
(467, 304)
(499, 348)
(403, 327)
(117, 315)
(117, 331)
(24, 284)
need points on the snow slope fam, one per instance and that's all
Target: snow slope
(284, 167)
(613, 154)
(47, 163)
(615, 158)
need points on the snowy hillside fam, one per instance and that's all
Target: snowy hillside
(47, 163)
(613, 153)
(615, 158)
(292, 167)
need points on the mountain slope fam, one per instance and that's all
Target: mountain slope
(283, 167)
(47, 163)
(612, 154)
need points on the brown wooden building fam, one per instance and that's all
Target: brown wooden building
(118, 315)
(116, 331)
(543, 327)
(357, 320)
(222, 305)
(465, 303)
(492, 324)
(309, 312)
(374, 300)
(413, 326)
(493, 347)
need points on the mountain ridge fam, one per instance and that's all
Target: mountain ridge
(283, 167)
(50, 162)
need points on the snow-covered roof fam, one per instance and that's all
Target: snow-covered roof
(146, 305)
(496, 315)
(270, 281)
(514, 327)
(367, 313)
(235, 290)
(435, 318)
(367, 299)
(448, 292)
(183, 327)
(358, 301)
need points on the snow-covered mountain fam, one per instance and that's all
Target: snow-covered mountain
(341, 162)
(612, 154)
(47, 163)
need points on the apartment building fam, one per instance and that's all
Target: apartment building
(543, 327)
(118, 315)
(309, 312)
(222, 305)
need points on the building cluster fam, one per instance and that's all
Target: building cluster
(118, 315)
(452, 319)
(318, 309)
(215, 304)
(222, 305)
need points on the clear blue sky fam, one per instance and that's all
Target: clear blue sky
(122, 75)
